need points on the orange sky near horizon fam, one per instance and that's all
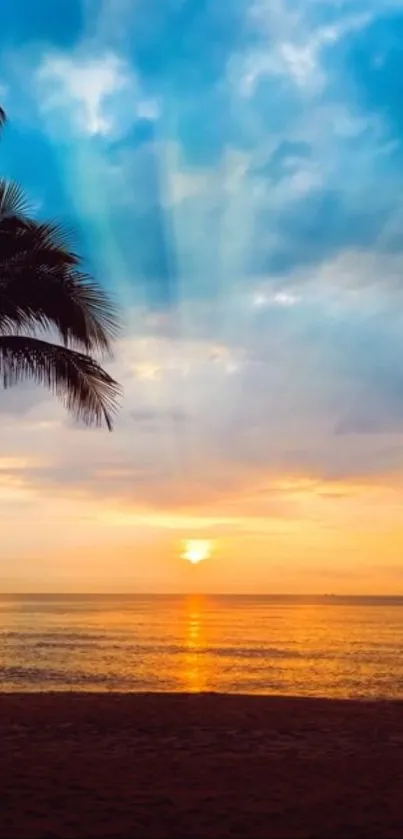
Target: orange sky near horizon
(341, 538)
(85, 511)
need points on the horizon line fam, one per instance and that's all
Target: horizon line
(330, 596)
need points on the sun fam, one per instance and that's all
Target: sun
(195, 550)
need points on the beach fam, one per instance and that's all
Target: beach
(202, 765)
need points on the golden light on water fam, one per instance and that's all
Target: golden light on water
(197, 661)
(195, 550)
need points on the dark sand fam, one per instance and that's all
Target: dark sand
(199, 766)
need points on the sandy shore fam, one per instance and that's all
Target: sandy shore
(199, 766)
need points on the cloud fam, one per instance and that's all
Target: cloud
(311, 390)
(153, 417)
(99, 93)
(292, 42)
(370, 63)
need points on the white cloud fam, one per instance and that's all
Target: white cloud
(87, 83)
(291, 46)
(184, 182)
(349, 282)
(153, 358)
(99, 94)
(261, 299)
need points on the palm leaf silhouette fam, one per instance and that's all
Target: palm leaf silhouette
(84, 387)
(3, 117)
(42, 287)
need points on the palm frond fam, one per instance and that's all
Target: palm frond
(22, 236)
(93, 320)
(73, 303)
(87, 391)
(41, 287)
(13, 201)
(52, 236)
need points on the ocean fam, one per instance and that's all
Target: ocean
(305, 646)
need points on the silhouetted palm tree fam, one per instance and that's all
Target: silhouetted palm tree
(42, 287)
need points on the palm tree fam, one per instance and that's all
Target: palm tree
(43, 287)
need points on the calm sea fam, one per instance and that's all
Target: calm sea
(309, 646)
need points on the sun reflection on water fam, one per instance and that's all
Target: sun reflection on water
(195, 662)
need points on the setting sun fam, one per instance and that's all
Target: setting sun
(196, 550)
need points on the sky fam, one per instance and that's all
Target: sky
(233, 173)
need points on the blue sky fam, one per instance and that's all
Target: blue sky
(233, 172)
